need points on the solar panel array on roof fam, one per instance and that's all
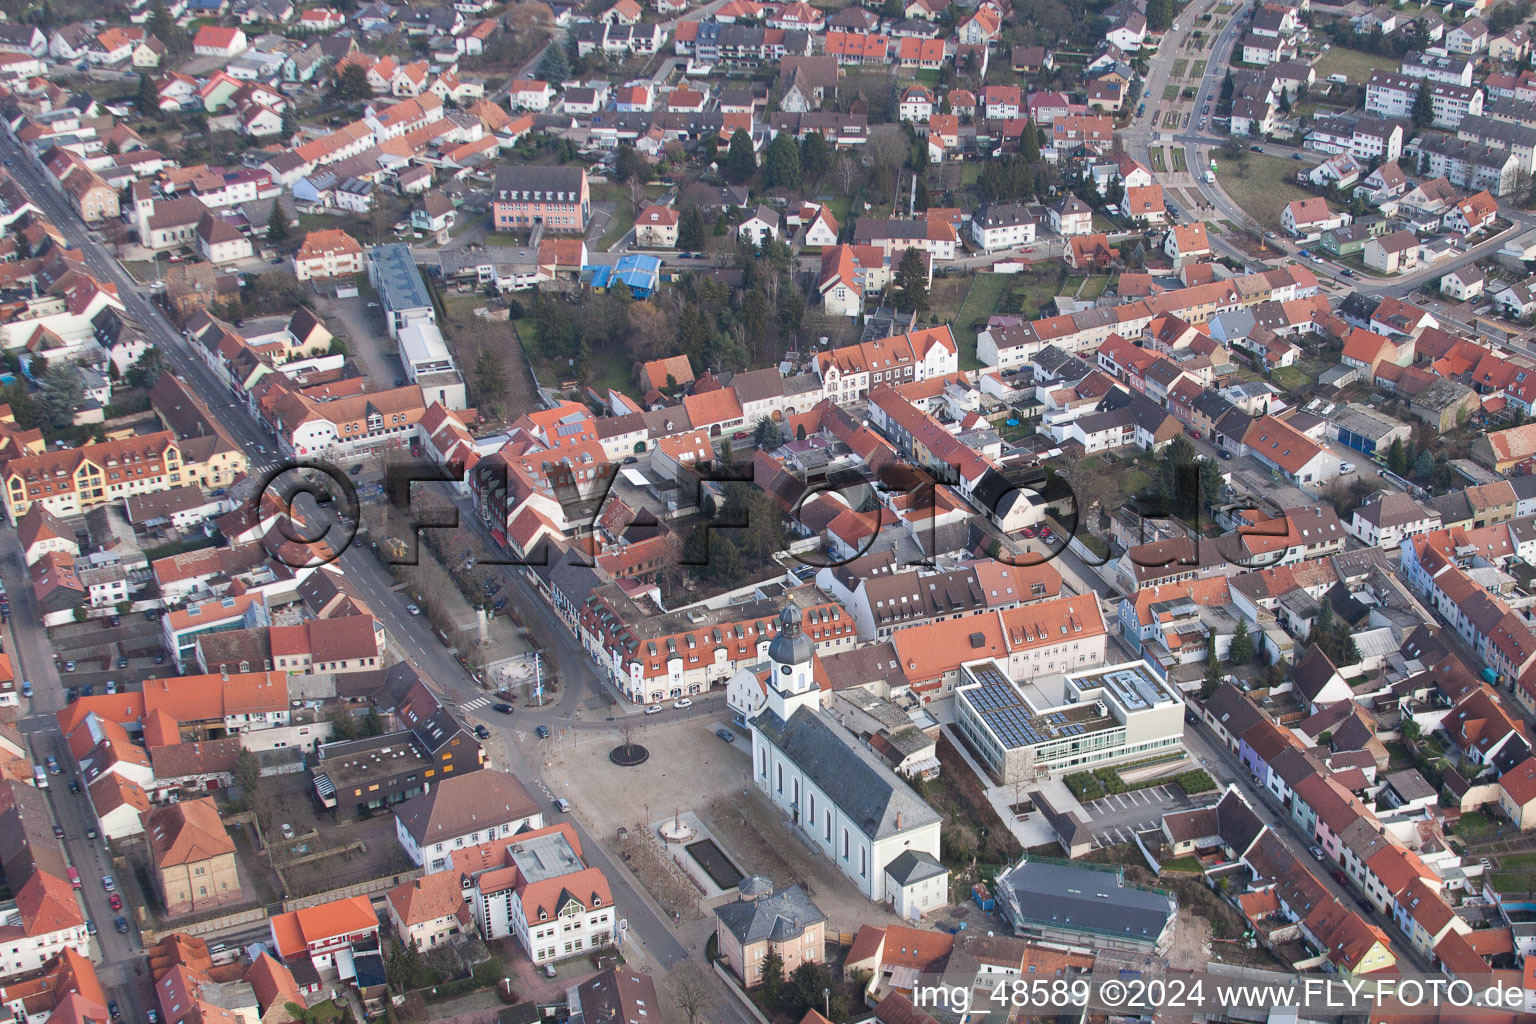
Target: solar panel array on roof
(1000, 704)
(399, 282)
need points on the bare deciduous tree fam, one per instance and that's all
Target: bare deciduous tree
(636, 189)
(694, 991)
(650, 327)
(886, 149)
(529, 17)
(846, 169)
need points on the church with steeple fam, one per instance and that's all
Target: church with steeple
(837, 792)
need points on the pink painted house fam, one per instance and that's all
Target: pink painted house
(557, 196)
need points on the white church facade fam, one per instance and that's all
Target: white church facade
(854, 808)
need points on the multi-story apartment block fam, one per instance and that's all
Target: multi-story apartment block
(536, 888)
(1446, 68)
(1467, 165)
(69, 482)
(848, 373)
(327, 254)
(1390, 95)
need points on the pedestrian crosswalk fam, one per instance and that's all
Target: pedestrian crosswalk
(474, 702)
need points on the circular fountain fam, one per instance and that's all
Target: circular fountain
(677, 830)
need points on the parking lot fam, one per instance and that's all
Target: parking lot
(124, 654)
(1115, 819)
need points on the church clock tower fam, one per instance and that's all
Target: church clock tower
(790, 685)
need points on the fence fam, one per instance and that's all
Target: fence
(211, 926)
(366, 888)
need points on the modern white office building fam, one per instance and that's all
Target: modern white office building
(1117, 713)
(430, 366)
(403, 294)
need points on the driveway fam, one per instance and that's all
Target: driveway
(367, 341)
(1116, 819)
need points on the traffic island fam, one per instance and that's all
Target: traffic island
(629, 755)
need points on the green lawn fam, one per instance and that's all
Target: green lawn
(987, 291)
(623, 221)
(1180, 67)
(326, 1012)
(1354, 63)
(1199, 70)
(1261, 185)
(1312, 108)
(142, 270)
(1183, 864)
(1293, 378)
(1475, 825)
(1158, 164)
(1035, 287)
(1513, 882)
(1170, 92)
(1094, 288)
(1179, 160)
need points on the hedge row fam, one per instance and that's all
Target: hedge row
(1102, 782)
(1196, 781)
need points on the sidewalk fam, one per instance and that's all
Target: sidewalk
(1036, 831)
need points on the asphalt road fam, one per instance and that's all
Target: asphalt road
(1199, 144)
(122, 956)
(1224, 766)
(32, 660)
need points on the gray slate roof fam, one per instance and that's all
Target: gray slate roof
(870, 794)
(777, 918)
(913, 866)
(1066, 896)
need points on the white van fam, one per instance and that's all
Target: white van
(39, 777)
